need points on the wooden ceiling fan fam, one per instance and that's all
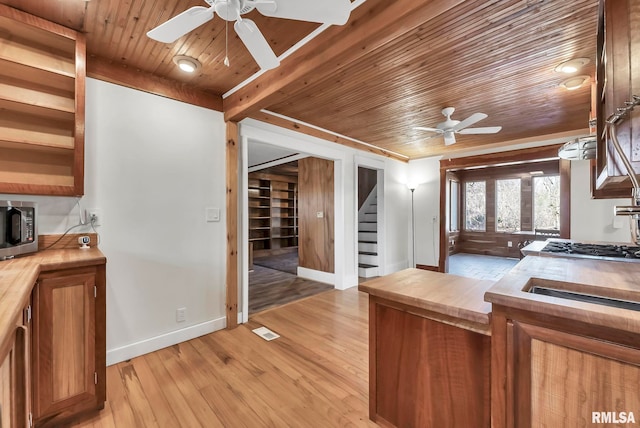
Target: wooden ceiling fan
(322, 11)
(450, 127)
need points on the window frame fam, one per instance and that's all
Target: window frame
(466, 229)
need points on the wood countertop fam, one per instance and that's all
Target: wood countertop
(18, 276)
(618, 280)
(452, 299)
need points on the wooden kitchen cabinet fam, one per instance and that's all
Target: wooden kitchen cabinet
(556, 372)
(42, 106)
(618, 79)
(14, 377)
(68, 361)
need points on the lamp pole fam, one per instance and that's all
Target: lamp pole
(413, 226)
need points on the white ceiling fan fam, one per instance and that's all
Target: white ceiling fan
(450, 127)
(322, 11)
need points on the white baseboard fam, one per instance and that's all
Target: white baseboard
(394, 267)
(349, 282)
(126, 352)
(316, 275)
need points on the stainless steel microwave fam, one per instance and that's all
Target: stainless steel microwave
(18, 228)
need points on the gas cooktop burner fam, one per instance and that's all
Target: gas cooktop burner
(593, 250)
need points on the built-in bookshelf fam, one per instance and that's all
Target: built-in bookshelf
(42, 89)
(273, 213)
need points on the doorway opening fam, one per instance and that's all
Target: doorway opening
(274, 197)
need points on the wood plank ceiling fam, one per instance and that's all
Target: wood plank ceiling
(495, 57)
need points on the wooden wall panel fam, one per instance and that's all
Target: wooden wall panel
(231, 165)
(367, 180)
(315, 194)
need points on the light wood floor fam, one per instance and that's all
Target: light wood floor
(314, 375)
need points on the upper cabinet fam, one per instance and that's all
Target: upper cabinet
(618, 79)
(42, 91)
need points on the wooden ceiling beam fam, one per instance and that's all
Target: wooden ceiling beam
(372, 26)
(102, 69)
(314, 132)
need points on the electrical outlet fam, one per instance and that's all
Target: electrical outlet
(509, 244)
(94, 217)
(181, 314)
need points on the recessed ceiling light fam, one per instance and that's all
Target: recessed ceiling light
(572, 65)
(186, 63)
(575, 82)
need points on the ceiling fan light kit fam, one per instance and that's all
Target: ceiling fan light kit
(450, 127)
(335, 12)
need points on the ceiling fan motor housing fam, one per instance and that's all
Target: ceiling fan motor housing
(230, 10)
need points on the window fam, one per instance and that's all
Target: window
(454, 199)
(508, 205)
(475, 205)
(546, 202)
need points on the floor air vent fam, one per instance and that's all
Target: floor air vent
(265, 333)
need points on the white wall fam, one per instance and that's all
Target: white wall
(426, 174)
(152, 165)
(593, 219)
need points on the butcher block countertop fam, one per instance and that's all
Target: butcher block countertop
(18, 276)
(609, 279)
(451, 299)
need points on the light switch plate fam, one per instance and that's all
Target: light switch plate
(319, 214)
(213, 214)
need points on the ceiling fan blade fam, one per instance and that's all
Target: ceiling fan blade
(181, 24)
(423, 128)
(449, 138)
(256, 44)
(486, 130)
(325, 12)
(475, 117)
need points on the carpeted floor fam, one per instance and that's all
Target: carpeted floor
(287, 262)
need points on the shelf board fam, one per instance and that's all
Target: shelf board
(259, 218)
(259, 239)
(284, 237)
(30, 130)
(37, 113)
(18, 92)
(260, 228)
(38, 48)
(259, 197)
(259, 188)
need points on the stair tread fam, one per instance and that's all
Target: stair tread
(365, 266)
(368, 221)
(367, 253)
(367, 242)
(371, 213)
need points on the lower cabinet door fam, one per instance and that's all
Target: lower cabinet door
(6, 395)
(64, 345)
(566, 380)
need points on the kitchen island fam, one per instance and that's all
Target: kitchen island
(429, 350)
(560, 362)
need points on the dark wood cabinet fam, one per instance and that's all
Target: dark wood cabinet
(618, 80)
(554, 372)
(68, 363)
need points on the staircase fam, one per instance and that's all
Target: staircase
(368, 237)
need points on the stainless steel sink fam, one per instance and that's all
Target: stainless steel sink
(588, 298)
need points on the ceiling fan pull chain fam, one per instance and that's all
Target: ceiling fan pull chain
(226, 43)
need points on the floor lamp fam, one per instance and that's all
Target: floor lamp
(413, 187)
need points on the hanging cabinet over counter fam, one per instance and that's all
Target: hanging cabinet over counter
(42, 103)
(618, 79)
